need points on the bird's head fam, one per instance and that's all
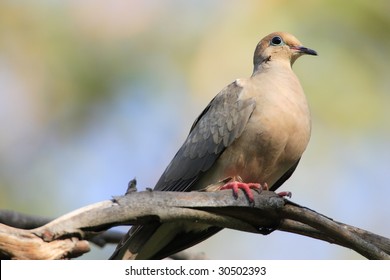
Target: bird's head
(279, 46)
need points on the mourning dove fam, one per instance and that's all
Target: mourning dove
(253, 132)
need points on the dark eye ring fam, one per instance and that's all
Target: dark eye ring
(276, 41)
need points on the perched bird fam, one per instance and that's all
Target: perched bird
(251, 134)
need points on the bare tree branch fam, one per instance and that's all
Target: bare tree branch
(341, 234)
(21, 220)
(269, 212)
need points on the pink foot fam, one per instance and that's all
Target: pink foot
(246, 187)
(283, 194)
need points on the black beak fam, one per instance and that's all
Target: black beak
(305, 50)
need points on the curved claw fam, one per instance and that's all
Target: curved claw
(283, 194)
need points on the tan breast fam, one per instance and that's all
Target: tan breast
(276, 135)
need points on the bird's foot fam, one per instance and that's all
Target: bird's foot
(284, 194)
(246, 187)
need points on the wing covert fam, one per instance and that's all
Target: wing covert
(221, 122)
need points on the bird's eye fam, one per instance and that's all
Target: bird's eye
(276, 41)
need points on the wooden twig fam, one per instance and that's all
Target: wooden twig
(340, 233)
(269, 212)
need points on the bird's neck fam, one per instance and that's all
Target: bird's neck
(271, 65)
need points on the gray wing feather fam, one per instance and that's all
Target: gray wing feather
(220, 123)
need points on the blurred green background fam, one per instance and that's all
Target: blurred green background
(94, 93)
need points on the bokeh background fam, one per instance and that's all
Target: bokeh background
(95, 93)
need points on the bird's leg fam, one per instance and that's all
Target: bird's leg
(246, 187)
(216, 186)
